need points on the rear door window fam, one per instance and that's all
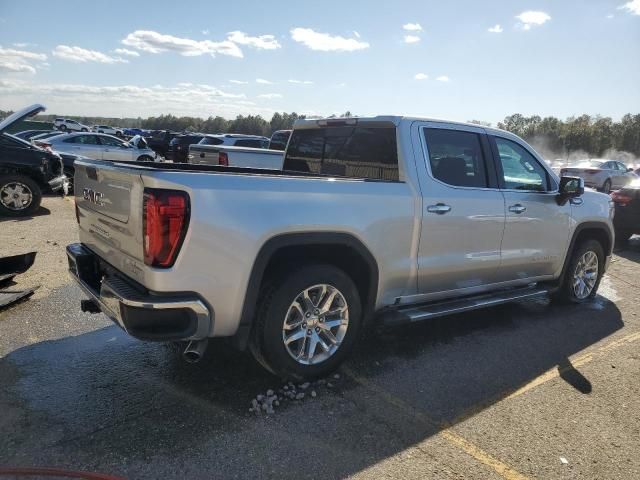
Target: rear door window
(456, 157)
(352, 152)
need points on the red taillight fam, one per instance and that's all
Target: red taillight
(223, 159)
(166, 218)
(621, 198)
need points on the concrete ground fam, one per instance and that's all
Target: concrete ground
(529, 390)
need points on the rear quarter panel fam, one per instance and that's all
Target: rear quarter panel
(232, 216)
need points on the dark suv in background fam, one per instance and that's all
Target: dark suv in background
(178, 150)
(279, 140)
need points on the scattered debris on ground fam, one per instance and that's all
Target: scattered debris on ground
(268, 402)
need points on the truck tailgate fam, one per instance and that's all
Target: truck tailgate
(109, 202)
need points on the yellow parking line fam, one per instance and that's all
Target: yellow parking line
(445, 431)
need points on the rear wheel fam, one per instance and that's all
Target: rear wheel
(19, 195)
(83, 130)
(606, 187)
(63, 128)
(584, 273)
(307, 322)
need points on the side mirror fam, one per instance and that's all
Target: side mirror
(570, 187)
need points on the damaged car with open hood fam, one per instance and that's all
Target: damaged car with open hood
(26, 170)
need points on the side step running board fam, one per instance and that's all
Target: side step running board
(417, 313)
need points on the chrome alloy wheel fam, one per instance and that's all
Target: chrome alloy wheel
(585, 275)
(15, 196)
(315, 324)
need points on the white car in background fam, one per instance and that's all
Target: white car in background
(99, 146)
(118, 132)
(67, 125)
(601, 174)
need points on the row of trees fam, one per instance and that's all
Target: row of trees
(586, 135)
(553, 138)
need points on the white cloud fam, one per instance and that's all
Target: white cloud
(19, 61)
(356, 34)
(421, 76)
(610, 16)
(325, 42)
(205, 32)
(532, 18)
(412, 27)
(238, 82)
(82, 55)
(113, 100)
(263, 81)
(15, 67)
(270, 95)
(411, 39)
(263, 42)
(126, 51)
(301, 82)
(154, 42)
(23, 44)
(496, 29)
(442, 78)
(632, 7)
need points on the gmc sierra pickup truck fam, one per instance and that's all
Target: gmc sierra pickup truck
(385, 219)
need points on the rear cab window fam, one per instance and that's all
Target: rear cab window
(363, 152)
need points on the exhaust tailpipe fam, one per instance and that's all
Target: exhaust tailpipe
(195, 350)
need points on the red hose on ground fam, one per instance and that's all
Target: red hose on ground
(55, 472)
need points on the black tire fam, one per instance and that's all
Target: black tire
(84, 130)
(119, 134)
(267, 343)
(27, 184)
(145, 158)
(606, 186)
(567, 293)
(63, 128)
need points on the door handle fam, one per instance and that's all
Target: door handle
(439, 208)
(517, 208)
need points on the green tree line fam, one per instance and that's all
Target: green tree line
(594, 136)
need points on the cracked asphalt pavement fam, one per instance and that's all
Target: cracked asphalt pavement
(529, 390)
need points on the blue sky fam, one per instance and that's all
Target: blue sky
(458, 60)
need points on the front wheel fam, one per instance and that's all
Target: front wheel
(20, 196)
(606, 188)
(145, 158)
(307, 322)
(584, 273)
(63, 128)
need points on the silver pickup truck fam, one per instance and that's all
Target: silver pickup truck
(230, 156)
(386, 220)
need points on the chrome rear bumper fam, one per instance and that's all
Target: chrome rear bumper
(142, 314)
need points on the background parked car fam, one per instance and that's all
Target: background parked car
(99, 146)
(40, 139)
(627, 217)
(26, 170)
(279, 140)
(605, 175)
(235, 140)
(178, 150)
(67, 125)
(159, 141)
(118, 132)
(28, 134)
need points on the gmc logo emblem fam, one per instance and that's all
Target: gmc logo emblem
(93, 197)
